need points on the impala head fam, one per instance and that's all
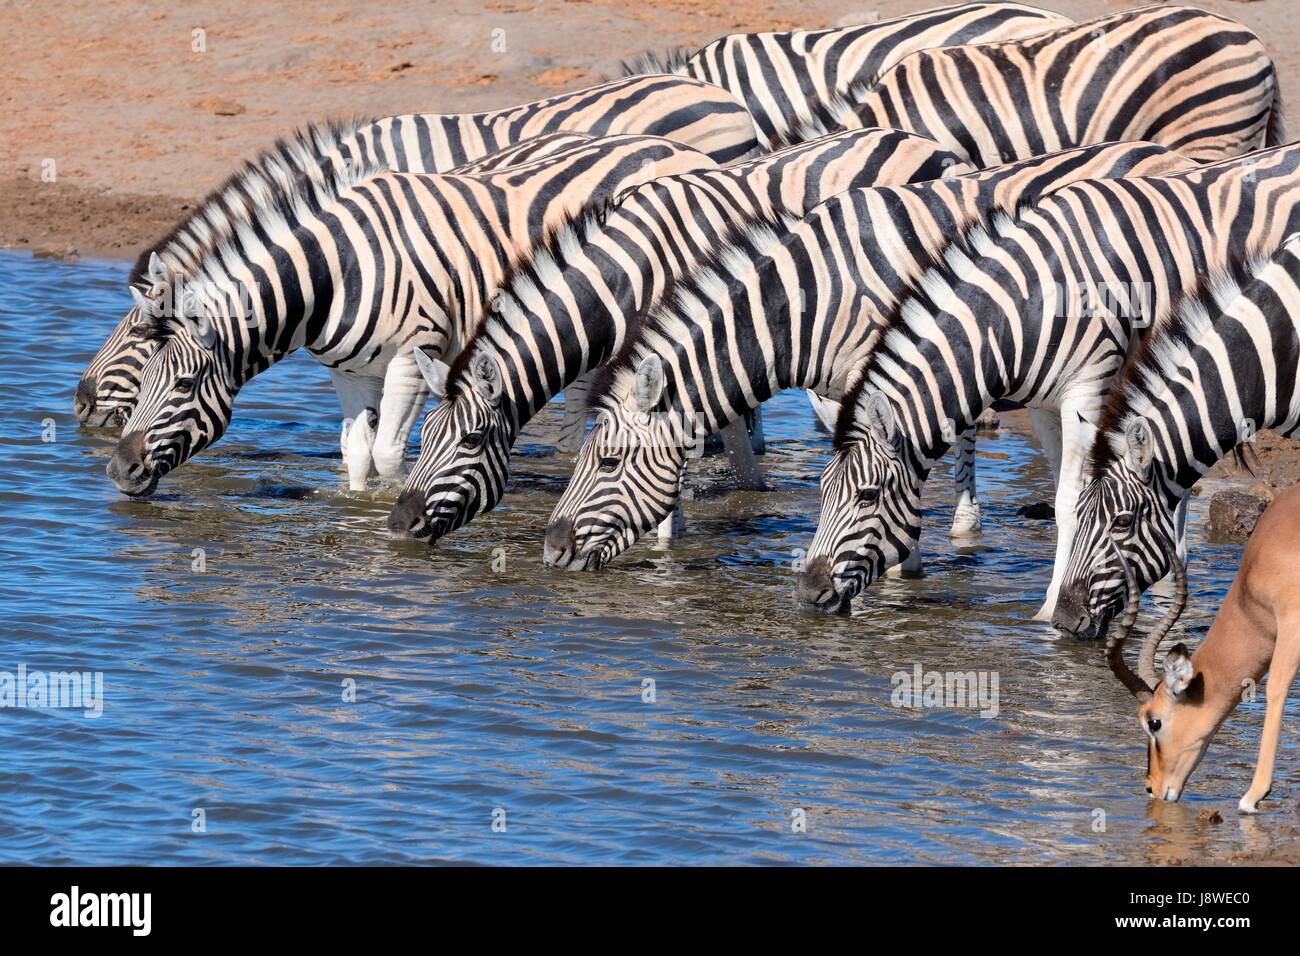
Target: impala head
(1124, 523)
(870, 517)
(186, 394)
(464, 452)
(1172, 712)
(627, 477)
(108, 387)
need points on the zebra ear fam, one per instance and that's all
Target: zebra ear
(141, 301)
(880, 417)
(487, 377)
(1139, 449)
(204, 332)
(434, 372)
(649, 385)
(157, 271)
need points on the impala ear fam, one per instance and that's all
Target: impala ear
(879, 416)
(1177, 670)
(434, 372)
(157, 271)
(1139, 448)
(648, 387)
(487, 377)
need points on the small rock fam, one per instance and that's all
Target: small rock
(1233, 515)
(222, 107)
(1038, 511)
(1262, 490)
(399, 67)
(1210, 816)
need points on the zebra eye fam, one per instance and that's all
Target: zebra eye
(472, 440)
(610, 463)
(869, 495)
(1123, 521)
(184, 385)
(1153, 725)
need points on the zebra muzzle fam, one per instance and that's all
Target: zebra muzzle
(407, 520)
(127, 468)
(560, 548)
(816, 587)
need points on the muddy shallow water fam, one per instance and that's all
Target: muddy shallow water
(234, 614)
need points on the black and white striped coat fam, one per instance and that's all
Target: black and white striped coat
(1041, 310)
(356, 274)
(564, 310)
(798, 312)
(1193, 81)
(1223, 367)
(682, 109)
(787, 78)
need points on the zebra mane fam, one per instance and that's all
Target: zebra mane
(918, 302)
(530, 274)
(1167, 344)
(674, 61)
(709, 280)
(283, 185)
(289, 165)
(818, 117)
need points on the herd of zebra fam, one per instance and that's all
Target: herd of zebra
(913, 220)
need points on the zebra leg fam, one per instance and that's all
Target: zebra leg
(574, 422)
(754, 423)
(405, 393)
(740, 455)
(1047, 426)
(1075, 436)
(356, 393)
(966, 514)
(361, 442)
(674, 526)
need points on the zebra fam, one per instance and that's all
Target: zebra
(373, 265)
(106, 390)
(1223, 366)
(1196, 82)
(765, 316)
(783, 78)
(565, 308)
(682, 109)
(1039, 309)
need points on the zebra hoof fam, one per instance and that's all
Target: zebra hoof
(966, 522)
(361, 441)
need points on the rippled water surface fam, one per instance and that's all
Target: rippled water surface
(485, 683)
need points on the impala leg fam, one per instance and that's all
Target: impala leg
(405, 393)
(1281, 673)
(966, 513)
(574, 422)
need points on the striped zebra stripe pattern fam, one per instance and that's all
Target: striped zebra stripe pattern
(1193, 81)
(682, 109)
(358, 270)
(566, 307)
(782, 78)
(1038, 310)
(1223, 367)
(801, 312)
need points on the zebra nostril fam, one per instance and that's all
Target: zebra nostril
(816, 583)
(560, 545)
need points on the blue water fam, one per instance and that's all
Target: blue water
(488, 687)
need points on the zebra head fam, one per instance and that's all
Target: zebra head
(107, 388)
(1125, 526)
(187, 390)
(627, 476)
(464, 458)
(870, 518)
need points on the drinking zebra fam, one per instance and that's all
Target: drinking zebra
(357, 270)
(682, 109)
(1222, 367)
(763, 317)
(564, 309)
(783, 78)
(1193, 81)
(1039, 310)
